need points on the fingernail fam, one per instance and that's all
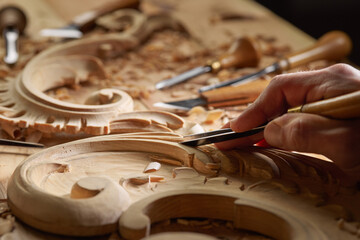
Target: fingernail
(273, 133)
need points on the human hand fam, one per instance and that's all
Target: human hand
(339, 140)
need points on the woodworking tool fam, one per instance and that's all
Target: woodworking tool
(19, 143)
(226, 96)
(342, 107)
(85, 21)
(244, 52)
(12, 25)
(333, 46)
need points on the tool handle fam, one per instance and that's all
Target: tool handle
(235, 92)
(249, 98)
(342, 107)
(244, 52)
(85, 21)
(332, 46)
(12, 17)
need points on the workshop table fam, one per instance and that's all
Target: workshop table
(54, 13)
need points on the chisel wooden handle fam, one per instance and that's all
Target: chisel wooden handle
(235, 92)
(332, 46)
(12, 17)
(342, 107)
(85, 21)
(244, 52)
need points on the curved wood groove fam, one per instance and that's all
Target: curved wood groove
(67, 216)
(247, 213)
(28, 107)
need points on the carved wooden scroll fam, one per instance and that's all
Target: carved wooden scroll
(83, 188)
(24, 104)
(246, 213)
(94, 203)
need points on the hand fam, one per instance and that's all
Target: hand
(338, 140)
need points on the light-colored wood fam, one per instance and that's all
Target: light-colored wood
(281, 194)
(244, 52)
(74, 63)
(251, 214)
(82, 214)
(342, 107)
(316, 192)
(235, 92)
(333, 46)
(86, 20)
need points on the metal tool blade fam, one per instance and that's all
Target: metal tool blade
(70, 31)
(170, 107)
(19, 143)
(182, 105)
(182, 77)
(242, 80)
(221, 137)
(11, 37)
(206, 134)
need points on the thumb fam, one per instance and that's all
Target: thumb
(316, 134)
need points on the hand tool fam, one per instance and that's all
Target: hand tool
(12, 24)
(84, 22)
(244, 52)
(226, 96)
(342, 107)
(332, 46)
(19, 143)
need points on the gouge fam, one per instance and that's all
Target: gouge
(12, 24)
(332, 46)
(8, 142)
(342, 107)
(244, 52)
(85, 21)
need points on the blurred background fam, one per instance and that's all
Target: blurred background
(316, 17)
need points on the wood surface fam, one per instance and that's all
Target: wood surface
(81, 188)
(289, 195)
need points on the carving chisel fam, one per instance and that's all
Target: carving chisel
(8, 142)
(332, 46)
(84, 22)
(342, 107)
(12, 25)
(244, 52)
(223, 97)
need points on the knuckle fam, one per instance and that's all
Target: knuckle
(342, 69)
(280, 79)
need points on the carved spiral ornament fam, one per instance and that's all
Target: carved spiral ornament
(100, 185)
(25, 105)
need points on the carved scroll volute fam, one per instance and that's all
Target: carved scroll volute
(83, 214)
(93, 205)
(255, 214)
(72, 63)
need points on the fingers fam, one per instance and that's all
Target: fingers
(294, 89)
(338, 140)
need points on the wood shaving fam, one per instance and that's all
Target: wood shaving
(141, 179)
(152, 167)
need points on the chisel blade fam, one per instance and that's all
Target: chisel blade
(61, 33)
(183, 104)
(11, 45)
(241, 80)
(224, 135)
(182, 77)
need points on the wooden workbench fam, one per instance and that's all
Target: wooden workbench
(255, 20)
(52, 13)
